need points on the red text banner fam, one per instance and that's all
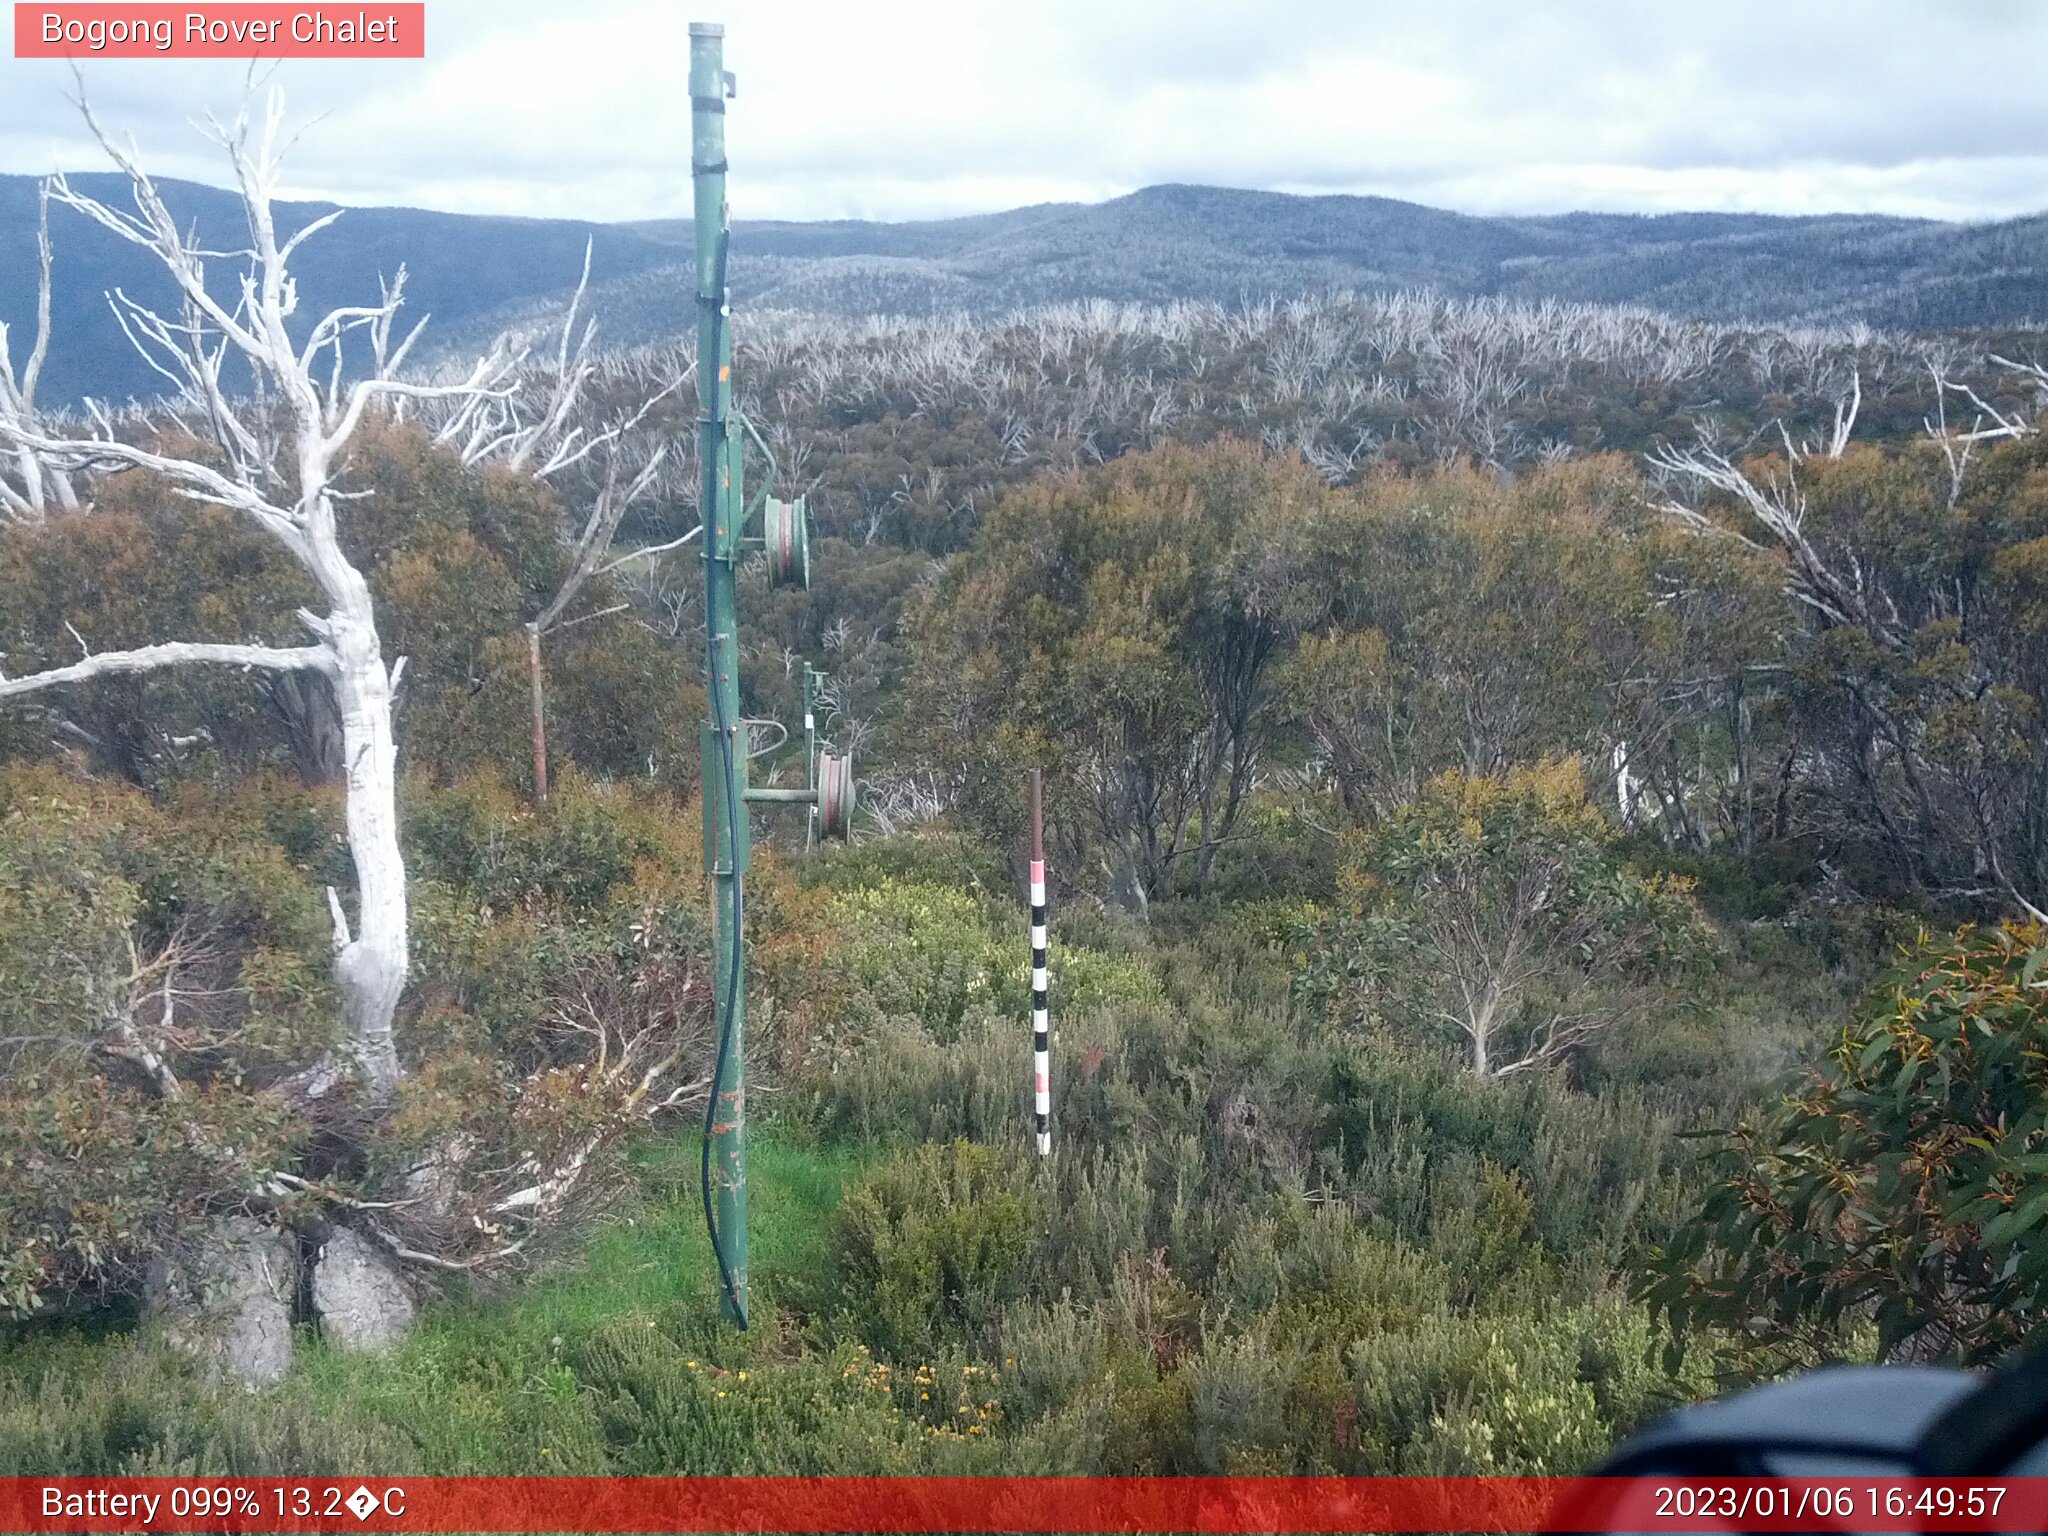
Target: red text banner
(1023, 1504)
(220, 31)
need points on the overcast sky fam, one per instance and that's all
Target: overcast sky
(898, 109)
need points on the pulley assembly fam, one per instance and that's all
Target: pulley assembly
(786, 535)
(835, 794)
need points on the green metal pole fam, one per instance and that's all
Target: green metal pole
(723, 746)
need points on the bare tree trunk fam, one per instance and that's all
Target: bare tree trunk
(615, 494)
(540, 725)
(371, 966)
(38, 482)
(312, 725)
(1781, 797)
(1745, 772)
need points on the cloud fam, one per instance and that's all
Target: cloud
(916, 108)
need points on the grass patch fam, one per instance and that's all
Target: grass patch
(488, 1383)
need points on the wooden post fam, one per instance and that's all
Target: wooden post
(540, 729)
(1041, 1026)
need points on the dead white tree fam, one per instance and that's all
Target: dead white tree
(2003, 424)
(283, 455)
(894, 801)
(1847, 404)
(500, 427)
(559, 443)
(34, 485)
(1843, 586)
(1838, 588)
(614, 497)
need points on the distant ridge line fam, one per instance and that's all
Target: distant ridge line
(478, 273)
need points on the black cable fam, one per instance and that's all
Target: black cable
(732, 815)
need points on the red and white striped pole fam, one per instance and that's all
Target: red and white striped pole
(1041, 1025)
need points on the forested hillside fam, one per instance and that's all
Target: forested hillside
(1547, 807)
(1231, 246)
(1163, 244)
(458, 267)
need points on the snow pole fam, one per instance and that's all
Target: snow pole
(1041, 1018)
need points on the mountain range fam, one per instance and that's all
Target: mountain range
(477, 275)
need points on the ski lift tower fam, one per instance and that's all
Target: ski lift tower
(784, 537)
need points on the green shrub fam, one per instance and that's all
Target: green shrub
(1054, 1354)
(1110, 1213)
(931, 953)
(1410, 1135)
(1324, 1278)
(914, 950)
(1477, 1395)
(1764, 886)
(127, 1407)
(1497, 914)
(922, 856)
(1897, 1182)
(1238, 1390)
(155, 979)
(1148, 1422)
(900, 1086)
(593, 841)
(662, 1409)
(931, 1245)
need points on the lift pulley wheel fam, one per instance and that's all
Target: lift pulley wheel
(786, 530)
(835, 794)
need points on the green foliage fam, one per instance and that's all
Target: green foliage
(1898, 1183)
(1301, 721)
(870, 969)
(593, 841)
(127, 1407)
(1927, 594)
(515, 909)
(1259, 1249)
(558, 956)
(1498, 909)
(900, 1085)
(1536, 1396)
(660, 1411)
(457, 559)
(923, 855)
(1454, 622)
(921, 951)
(1117, 628)
(1426, 1147)
(1768, 886)
(156, 977)
(60, 897)
(1151, 629)
(933, 954)
(930, 1245)
(146, 566)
